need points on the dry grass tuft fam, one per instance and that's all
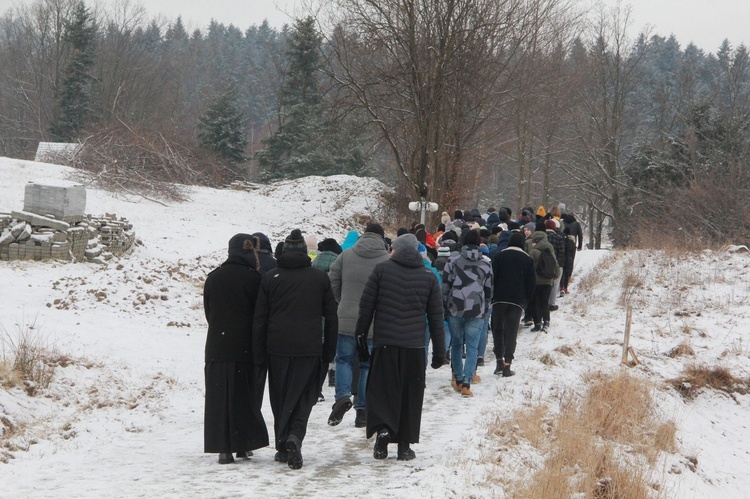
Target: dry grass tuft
(566, 350)
(684, 349)
(547, 360)
(26, 355)
(696, 377)
(589, 443)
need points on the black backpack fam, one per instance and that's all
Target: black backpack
(546, 266)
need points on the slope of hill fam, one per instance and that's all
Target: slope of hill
(123, 343)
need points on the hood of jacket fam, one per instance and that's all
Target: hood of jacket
(294, 260)
(471, 252)
(408, 257)
(351, 237)
(370, 245)
(265, 243)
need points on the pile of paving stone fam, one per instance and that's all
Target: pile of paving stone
(53, 226)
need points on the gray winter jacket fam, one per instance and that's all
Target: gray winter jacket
(467, 284)
(349, 274)
(398, 294)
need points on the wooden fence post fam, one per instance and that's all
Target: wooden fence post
(626, 340)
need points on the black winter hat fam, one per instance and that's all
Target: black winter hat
(295, 242)
(503, 215)
(517, 240)
(458, 215)
(240, 243)
(330, 244)
(375, 229)
(401, 231)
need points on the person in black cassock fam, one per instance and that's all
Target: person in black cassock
(398, 294)
(233, 421)
(293, 300)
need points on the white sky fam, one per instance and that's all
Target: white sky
(705, 22)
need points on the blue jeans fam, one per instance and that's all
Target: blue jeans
(465, 330)
(483, 338)
(346, 356)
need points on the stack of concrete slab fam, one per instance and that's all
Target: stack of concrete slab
(60, 199)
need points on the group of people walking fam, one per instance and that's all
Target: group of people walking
(370, 307)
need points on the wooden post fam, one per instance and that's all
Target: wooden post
(626, 340)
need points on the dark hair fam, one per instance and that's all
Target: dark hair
(375, 229)
(401, 231)
(472, 237)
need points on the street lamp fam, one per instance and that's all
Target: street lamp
(423, 206)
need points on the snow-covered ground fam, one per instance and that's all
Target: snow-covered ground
(123, 416)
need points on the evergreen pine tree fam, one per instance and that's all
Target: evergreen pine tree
(221, 127)
(306, 143)
(75, 97)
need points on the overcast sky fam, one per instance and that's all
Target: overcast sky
(705, 22)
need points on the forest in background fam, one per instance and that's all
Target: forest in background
(462, 102)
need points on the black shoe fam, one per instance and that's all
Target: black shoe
(507, 373)
(295, 455)
(360, 421)
(339, 409)
(537, 327)
(244, 455)
(499, 367)
(553, 308)
(226, 458)
(405, 453)
(380, 451)
(331, 377)
(480, 361)
(281, 457)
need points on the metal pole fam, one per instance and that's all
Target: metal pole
(423, 204)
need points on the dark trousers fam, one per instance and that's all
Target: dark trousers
(505, 317)
(293, 387)
(540, 303)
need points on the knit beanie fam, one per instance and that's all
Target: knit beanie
(531, 226)
(405, 241)
(375, 229)
(517, 240)
(550, 224)
(295, 242)
(444, 251)
(484, 249)
(540, 212)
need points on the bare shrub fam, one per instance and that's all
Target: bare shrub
(26, 353)
(144, 162)
(680, 231)
(633, 280)
(696, 377)
(684, 349)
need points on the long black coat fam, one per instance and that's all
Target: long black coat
(229, 297)
(233, 420)
(292, 302)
